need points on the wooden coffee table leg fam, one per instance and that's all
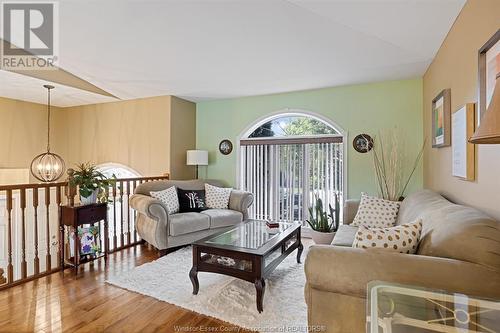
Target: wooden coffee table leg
(260, 286)
(299, 251)
(193, 275)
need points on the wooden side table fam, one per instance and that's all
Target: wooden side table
(78, 215)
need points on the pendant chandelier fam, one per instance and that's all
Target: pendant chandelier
(47, 167)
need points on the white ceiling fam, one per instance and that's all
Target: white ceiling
(209, 49)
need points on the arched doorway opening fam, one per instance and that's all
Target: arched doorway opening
(288, 158)
(123, 218)
(117, 169)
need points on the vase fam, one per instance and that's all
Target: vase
(322, 237)
(91, 199)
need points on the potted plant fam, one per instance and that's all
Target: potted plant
(92, 184)
(324, 225)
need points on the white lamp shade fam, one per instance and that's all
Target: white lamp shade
(197, 157)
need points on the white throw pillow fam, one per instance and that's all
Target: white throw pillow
(403, 238)
(217, 197)
(374, 212)
(169, 198)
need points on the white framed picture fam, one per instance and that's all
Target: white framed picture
(463, 152)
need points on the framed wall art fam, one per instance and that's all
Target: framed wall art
(488, 69)
(463, 152)
(362, 143)
(225, 147)
(441, 118)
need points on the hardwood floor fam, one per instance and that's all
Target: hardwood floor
(64, 302)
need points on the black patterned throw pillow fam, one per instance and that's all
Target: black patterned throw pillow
(191, 200)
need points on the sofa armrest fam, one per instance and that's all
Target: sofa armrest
(348, 270)
(152, 208)
(350, 209)
(240, 201)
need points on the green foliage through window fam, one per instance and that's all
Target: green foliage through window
(293, 126)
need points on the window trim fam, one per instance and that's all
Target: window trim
(292, 140)
(252, 127)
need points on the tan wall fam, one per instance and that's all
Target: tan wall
(455, 67)
(150, 135)
(23, 132)
(182, 136)
(135, 133)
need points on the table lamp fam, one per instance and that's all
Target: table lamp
(488, 131)
(197, 157)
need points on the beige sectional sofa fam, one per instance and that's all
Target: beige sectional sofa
(459, 251)
(163, 230)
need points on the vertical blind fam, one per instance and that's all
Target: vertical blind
(285, 174)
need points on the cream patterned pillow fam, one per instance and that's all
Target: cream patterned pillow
(169, 198)
(217, 197)
(374, 212)
(403, 238)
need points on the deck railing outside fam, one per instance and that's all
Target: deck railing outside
(29, 226)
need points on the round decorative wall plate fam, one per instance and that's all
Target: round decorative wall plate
(225, 147)
(362, 143)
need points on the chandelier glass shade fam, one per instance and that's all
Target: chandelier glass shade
(48, 166)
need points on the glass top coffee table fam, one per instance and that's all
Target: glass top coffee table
(394, 308)
(249, 251)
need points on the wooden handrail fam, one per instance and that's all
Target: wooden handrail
(65, 183)
(165, 177)
(31, 212)
(31, 186)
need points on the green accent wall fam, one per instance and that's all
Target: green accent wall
(364, 108)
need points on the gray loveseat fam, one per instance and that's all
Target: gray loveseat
(163, 230)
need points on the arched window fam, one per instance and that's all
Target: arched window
(293, 125)
(286, 160)
(117, 169)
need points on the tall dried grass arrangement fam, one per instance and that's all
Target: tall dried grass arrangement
(391, 164)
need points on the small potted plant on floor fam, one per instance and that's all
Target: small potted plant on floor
(92, 184)
(323, 225)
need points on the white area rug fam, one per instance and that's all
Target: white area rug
(226, 298)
